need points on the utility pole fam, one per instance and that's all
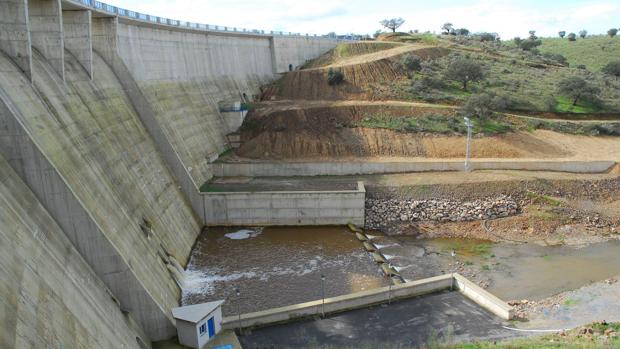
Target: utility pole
(469, 125)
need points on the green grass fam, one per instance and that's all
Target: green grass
(570, 302)
(427, 38)
(565, 105)
(543, 199)
(440, 124)
(594, 52)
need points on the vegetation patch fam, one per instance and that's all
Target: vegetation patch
(593, 51)
(439, 124)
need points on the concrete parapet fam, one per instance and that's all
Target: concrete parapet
(340, 303)
(483, 298)
(283, 169)
(371, 297)
(15, 39)
(46, 32)
(78, 37)
(285, 207)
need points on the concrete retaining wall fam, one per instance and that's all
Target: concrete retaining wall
(285, 208)
(367, 298)
(483, 298)
(264, 169)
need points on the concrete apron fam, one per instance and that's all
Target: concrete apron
(363, 299)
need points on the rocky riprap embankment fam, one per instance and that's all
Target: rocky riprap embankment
(384, 212)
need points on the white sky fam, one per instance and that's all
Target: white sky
(508, 18)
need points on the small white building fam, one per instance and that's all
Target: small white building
(199, 323)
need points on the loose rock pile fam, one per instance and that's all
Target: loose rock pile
(384, 212)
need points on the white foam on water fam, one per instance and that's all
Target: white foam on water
(389, 256)
(243, 234)
(388, 245)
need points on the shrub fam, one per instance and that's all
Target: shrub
(334, 76)
(612, 68)
(529, 44)
(581, 66)
(411, 63)
(558, 58)
(487, 37)
(572, 37)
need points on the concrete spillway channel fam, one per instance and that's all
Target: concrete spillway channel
(377, 256)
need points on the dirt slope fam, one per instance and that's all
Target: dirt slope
(360, 73)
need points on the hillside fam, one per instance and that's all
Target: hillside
(593, 51)
(382, 109)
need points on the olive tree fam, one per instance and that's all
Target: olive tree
(577, 88)
(484, 105)
(393, 23)
(464, 71)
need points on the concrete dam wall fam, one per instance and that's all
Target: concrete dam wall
(108, 125)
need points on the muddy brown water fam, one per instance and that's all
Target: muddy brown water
(277, 266)
(514, 271)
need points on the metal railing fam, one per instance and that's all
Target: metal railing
(121, 12)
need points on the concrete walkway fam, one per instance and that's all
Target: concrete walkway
(443, 317)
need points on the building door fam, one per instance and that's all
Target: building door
(211, 326)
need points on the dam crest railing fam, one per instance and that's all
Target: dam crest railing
(103, 7)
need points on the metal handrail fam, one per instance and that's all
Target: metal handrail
(121, 12)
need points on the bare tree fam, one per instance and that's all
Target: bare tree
(393, 23)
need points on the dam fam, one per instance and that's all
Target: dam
(149, 164)
(109, 122)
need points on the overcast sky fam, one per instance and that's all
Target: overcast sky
(508, 18)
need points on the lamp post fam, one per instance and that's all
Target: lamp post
(238, 306)
(323, 295)
(390, 284)
(469, 125)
